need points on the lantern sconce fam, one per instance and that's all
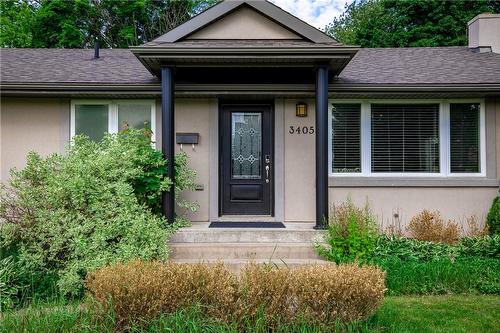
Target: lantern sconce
(301, 109)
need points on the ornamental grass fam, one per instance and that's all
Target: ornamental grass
(139, 291)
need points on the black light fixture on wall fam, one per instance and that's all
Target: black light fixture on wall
(301, 109)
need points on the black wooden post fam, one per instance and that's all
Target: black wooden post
(167, 145)
(321, 147)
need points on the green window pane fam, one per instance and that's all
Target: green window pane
(91, 120)
(134, 116)
(464, 138)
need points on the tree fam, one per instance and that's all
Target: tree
(16, 18)
(79, 23)
(407, 23)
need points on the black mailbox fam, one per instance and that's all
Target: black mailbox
(187, 138)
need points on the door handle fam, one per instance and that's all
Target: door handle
(267, 174)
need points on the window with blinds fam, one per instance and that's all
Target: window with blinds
(405, 138)
(464, 138)
(346, 138)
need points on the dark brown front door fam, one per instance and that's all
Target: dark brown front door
(246, 166)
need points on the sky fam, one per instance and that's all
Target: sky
(317, 13)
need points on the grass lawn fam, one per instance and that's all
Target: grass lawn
(398, 314)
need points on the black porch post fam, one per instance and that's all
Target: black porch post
(167, 130)
(321, 147)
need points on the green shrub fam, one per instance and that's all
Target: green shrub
(493, 218)
(140, 291)
(443, 276)
(351, 236)
(486, 247)
(407, 249)
(68, 214)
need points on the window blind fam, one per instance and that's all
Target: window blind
(464, 138)
(405, 138)
(346, 138)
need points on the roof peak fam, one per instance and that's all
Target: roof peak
(265, 8)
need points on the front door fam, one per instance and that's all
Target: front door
(246, 168)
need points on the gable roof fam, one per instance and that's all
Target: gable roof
(381, 69)
(264, 7)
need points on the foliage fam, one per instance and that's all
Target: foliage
(442, 276)
(406, 249)
(351, 234)
(136, 292)
(430, 226)
(486, 247)
(407, 23)
(411, 314)
(16, 19)
(493, 218)
(78, 23)
(66, 215)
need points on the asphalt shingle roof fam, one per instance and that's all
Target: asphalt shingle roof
(422, 65)
(434, 65)
(118, 66)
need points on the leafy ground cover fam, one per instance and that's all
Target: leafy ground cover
(439, 259)
(406, 314)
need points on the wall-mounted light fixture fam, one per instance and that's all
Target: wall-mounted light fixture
(301, 109)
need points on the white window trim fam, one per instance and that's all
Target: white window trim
(444, 139)
(113, 113)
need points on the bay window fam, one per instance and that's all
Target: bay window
(401, 139)
(95, 118)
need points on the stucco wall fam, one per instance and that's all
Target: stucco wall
(244, 23)
(193, 116)
(40, 125)
(397, 205)
(300, 189)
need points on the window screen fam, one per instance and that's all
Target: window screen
(464, 138)
(134, 116)
(405, 138)
(346, 138)
(91, 120)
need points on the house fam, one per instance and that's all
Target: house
(279, 120)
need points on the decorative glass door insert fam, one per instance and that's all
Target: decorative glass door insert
(246, 145)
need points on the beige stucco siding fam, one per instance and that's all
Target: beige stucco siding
(244, 23)
(300, 188)
(397, 205)
(193, 116)
(40, 125)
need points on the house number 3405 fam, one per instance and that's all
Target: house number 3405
(301, 130)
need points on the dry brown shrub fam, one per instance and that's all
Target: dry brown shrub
(268, 289)
(139, 291)
(430, 226)
(346, 292)
(475, 229)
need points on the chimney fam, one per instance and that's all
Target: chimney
(96, 50)
(484, 33)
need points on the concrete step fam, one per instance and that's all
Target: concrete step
(243, 251)
(246, 235)
(235, 265)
